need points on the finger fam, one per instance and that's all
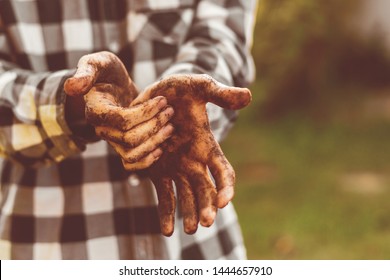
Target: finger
(101, 109)
(135, 136)
(140, 113)
(205, 192)
(133, 155)
(100, 95)
(96, 67)
(82, 81)
(227, 97)
(145, 162)
(187, 204)
(145, 95)
(224, 176)
(210, 90)
(166, 204)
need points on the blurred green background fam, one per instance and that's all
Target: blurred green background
(312, 152)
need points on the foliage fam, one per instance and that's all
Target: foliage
(305, 49)
(310, 190)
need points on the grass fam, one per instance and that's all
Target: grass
(311, 190)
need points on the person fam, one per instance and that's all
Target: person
(65, 194)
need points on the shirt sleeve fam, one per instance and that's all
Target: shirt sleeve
(33, 130)
(219, 44)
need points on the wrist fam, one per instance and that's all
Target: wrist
(75, 118)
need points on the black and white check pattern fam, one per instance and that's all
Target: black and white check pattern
(64, 198)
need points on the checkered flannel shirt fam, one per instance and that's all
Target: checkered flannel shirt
(63, 198)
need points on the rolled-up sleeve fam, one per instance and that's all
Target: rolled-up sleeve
(33, 129)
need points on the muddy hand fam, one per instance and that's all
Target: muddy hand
(135, 132)
(192, 151)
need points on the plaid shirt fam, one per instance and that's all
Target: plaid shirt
(64, 198)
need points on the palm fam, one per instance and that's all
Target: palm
(192, 151)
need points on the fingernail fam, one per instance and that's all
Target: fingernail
(207, 216)
(167, 225)
(169, 111)
(168, 129)
(157, 153)
(224, 196)
(162, 102)
(190, 225)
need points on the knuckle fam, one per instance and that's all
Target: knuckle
(155, 129)
(138, 165)
(131, 141)
(135, 156)
(131, 167)
(85, 58)
(131, 158)
(101, 133)
(156, 126)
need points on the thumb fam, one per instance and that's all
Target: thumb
(85, 76)
(232, 98)
(97, 67)
(203, 86)
(145, 95)
(82, 81)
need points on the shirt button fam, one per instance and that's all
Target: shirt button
(134, 180)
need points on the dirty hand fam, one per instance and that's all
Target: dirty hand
(192, 151)
(105, 89)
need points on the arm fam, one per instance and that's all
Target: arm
(40, 124)
(36, 117)
(33, 129)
